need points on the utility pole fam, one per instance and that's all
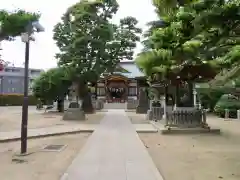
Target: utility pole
(26, 38)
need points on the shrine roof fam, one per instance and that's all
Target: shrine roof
(132, 69)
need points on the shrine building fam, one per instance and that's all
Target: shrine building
(121, 86)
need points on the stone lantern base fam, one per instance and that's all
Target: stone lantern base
(74, 112)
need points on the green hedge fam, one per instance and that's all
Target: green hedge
(229, 102)
(16, 100)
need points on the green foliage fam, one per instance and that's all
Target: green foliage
(16, 100)
(14, 23)
(194, 33)
(90, 43)
(52, 84)
(230, 102)
(209, 97)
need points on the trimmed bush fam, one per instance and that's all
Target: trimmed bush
(16, 100)
(230, 102)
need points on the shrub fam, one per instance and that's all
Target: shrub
(209, 97)
(230, 102)
(15, 100)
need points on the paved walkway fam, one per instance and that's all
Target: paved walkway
(65, 129)
(113, 152)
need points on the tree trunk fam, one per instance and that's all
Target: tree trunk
(87, 105)
(85, 96)
(60, 105)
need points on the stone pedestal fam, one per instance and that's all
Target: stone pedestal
(143, 104)
(99, 105)
(131, 104)
(74, 112)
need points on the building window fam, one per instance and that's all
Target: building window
(8, 70)
(35, 72)
(10, 81)
(132, 91)
(15, 70)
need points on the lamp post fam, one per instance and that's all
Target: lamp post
(26, 38)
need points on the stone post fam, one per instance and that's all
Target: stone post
(238, 114)
(194, 97)
(164, 105)
(143, 103)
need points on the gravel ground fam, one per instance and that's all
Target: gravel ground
(197, 157)
(39, 165)
(10, 119)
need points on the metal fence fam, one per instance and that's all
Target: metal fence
(157, 113)
(185, 118)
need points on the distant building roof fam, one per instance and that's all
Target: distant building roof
(132, 69)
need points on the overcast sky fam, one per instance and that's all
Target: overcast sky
(43, 50)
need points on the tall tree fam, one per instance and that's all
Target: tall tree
(91, 44)
(53, 85)
(123, 42)
(14, 23)
(194, 34)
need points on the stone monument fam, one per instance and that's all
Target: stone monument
(143, 103)
(74, 111)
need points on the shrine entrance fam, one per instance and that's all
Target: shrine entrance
(116, 89)
(116, 93)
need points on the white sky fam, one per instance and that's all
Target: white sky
(42, 51)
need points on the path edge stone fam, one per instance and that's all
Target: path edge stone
(4, 140)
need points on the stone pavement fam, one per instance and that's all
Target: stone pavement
(113, 152)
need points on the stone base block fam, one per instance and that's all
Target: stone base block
(74, 114)
(141, 109)
(175, 130)
(99, 105)
(131, 106)
(149, 115)
(196, 130)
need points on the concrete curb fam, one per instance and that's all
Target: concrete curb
(10, 139)
(147, 131)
